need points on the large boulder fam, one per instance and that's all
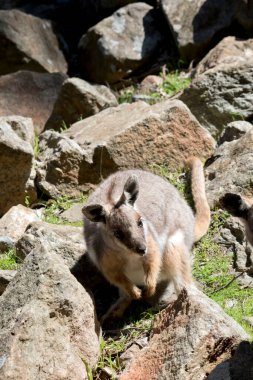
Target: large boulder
(120, 44)
(191, 338)
(222, 92)
(16, 160)
(30, 94)
(195, 24)
(230, 169)
(77, 100)
(48, 327)
(28, 43)
(127, 136)
(22, 126)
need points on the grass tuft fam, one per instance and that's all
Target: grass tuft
(9, 260)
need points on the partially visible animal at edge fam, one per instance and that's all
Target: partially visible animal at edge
(242, 208)
(139, 232)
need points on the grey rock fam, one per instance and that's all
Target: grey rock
(48, 327)
(222, 91)
(16, 160)
(73, 214)
(234, 131)
(77, 100)
(66, 241)
(23, 126)
(6, 243)
(120, 44)
(30, 94)
(28, 43)
(196, 23)
(230, 169)
(5, 278)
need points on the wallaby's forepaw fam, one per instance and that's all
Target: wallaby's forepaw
(136, 293)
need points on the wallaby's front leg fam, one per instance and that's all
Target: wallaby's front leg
(152, 266)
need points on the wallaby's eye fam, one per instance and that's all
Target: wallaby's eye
(140, 223)
(118, 234)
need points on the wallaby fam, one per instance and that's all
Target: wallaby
(139, 232)
(242, 208)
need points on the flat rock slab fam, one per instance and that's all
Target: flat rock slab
(48, 328)
(28, 43)
(128, 136)
(30, 94)
(190, 338)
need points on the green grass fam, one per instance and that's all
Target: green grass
(53, 209)
(9, 260)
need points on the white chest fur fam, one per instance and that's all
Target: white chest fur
(134, 270)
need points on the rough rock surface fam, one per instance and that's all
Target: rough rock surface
(30, 94)
(47, 325)
(229, 168)
(127, 136)
(120, 44)
(16, 159)
(14, 223)
(66, 241)
(222, 92)
(28, 43)
(229, 51)
(5, 278)
(234, 131)
(196, 23)
(77, 100)
(73, 214)
(23, 126)
(190, 338)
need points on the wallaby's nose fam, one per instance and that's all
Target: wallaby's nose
(141, 249)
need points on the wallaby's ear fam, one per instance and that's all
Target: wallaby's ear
(130, 191)
(95, 213)
(235, 205)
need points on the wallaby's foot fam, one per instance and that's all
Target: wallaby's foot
(116, 310)
(149, 291)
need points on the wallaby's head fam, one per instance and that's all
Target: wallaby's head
(121, 220)
(237, 206)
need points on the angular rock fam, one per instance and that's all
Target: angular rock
(30, 94)
(234, 131)
(5, 278)
(14, 223)
(190, 338)
(118, 45)
(229, 51)
(66, 241)
(16, 160)
(230, 169)
(28, 43)
(130, 135)
(223, 93)
(23, 126)
(73, 214)
(77, 100)
(195, 24)
(48, 328)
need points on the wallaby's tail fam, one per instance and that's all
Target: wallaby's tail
(202, 214)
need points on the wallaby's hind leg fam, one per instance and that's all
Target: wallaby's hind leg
(117, 309)
(177, 264)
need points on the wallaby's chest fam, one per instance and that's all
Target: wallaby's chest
(134, 271)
